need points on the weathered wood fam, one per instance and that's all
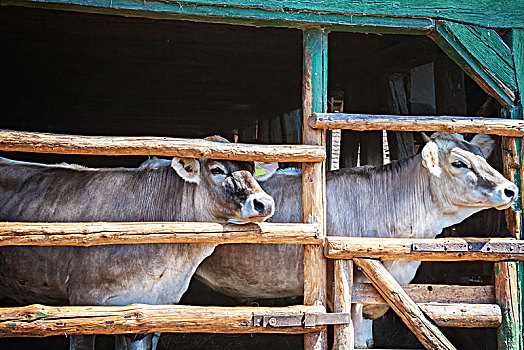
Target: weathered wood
(463, 315)
(362, 122)
(506, 293)
(423, 328)
(511, 167)
(344, 335)
(99, 233)
(44, 321)
(405, 249)
(160, 146)
(457, 43)
(405, 15)
(365, 293)
(314, 95)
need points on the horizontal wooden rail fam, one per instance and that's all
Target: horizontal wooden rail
(366, 122)
(442, 249)
(160, 146)
(44, 321)
(463, 315)
(365, 293)
(98, 233)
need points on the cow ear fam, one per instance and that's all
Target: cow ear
(187, 168)
(485, 143)
(264, 171)
(430, 158)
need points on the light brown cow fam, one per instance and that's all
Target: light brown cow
(188, 190)
(415, 197)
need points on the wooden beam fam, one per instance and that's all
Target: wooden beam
(423, 328)
(99, 233)
(366, 122)
(506, 293)
(463, 315)
(401, 15)
(482, 54)
(160, 146)
(365, 293)
(44, 321)
(314, 95)
(511, 169)
(442, 249)
(344, 335)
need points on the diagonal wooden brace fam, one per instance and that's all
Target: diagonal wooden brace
(424, 329)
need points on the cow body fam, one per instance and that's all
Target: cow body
(190, 190)
(415, 197)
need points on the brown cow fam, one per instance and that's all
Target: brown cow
(188, 190)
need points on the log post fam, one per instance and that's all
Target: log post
(506, 294)
(343, 289)
(314, 99)
(423, 328)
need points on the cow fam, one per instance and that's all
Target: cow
(415, 197)
(187, 190)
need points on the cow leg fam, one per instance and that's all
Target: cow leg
(123, 342)
(363, 328)
(82, 342)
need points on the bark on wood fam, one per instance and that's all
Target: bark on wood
(344, 336)
(506, 293)
(160, 146)
(365, 293)
(98, 233)
(366, 122)
(402, 249)
(511, 164)
(314, 90)
(423, 328)
(463, 315)
(44, 321)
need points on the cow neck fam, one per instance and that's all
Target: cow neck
(391, 200)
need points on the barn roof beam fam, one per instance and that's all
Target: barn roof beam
(482, 54)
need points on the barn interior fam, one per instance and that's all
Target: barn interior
(91, 74)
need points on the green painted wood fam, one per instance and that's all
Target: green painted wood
(315, 47)
(517, 41)
(482, 61)
(246, 15)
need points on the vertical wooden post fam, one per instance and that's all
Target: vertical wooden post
(314, 99)
(509, 336)
(509, 276)
(343, 288)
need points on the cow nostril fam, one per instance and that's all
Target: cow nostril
(258, 206)
(509, 193)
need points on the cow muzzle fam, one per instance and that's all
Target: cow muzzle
(504, 196)
(258, 207)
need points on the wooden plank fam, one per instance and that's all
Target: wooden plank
(344, 335)
(99, 233)
(364, 122)
(404, 249)
(160, 146)
(504, 13)
(506, 293)
(314, 94)
(365, 293)
(463, 315)
(44, 321)
(518, 50)
(484, 61)
(511, 168)
(423, 328)
(260, 16)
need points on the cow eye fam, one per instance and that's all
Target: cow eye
(459, 164)
(217, 171)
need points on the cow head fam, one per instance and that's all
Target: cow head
(460, 175)
(226, 190)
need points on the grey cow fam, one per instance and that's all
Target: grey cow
(188, 190)
(415, 197)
